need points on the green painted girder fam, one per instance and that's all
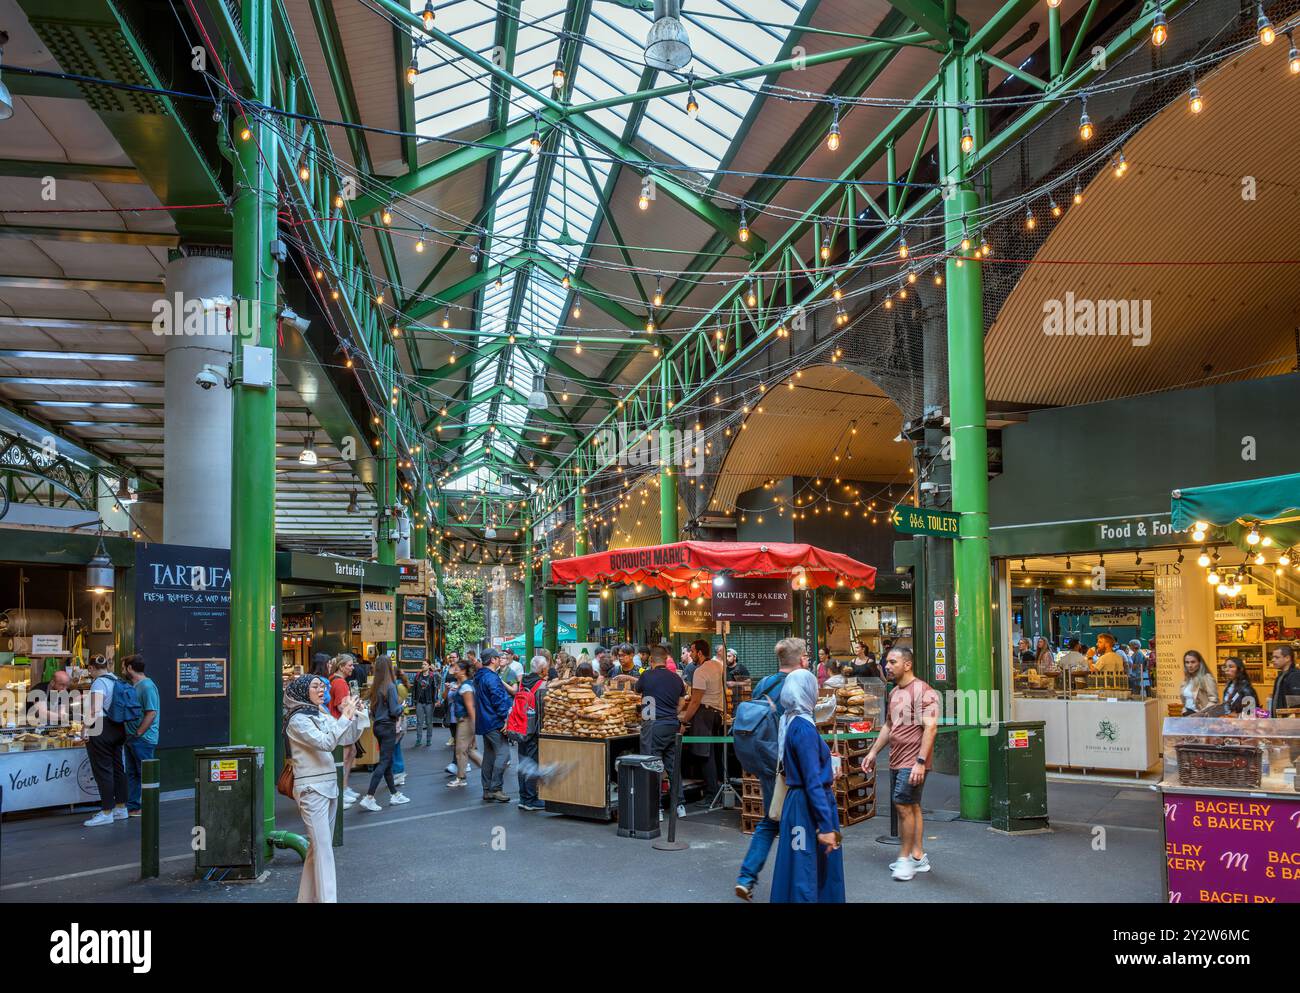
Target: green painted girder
(444, 371)
(564, 369)
(79, 172)
(929, 16)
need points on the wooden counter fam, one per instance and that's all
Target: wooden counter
(588, 789)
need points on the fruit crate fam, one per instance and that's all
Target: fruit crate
(849, 798)
(751, 806)
(750, 787)
(858, 813)
(747, 823)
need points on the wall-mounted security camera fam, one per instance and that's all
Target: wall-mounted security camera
(212, 375)
(290, 316)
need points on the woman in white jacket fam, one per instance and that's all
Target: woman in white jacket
(312, 735)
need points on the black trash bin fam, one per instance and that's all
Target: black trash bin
(639, 786)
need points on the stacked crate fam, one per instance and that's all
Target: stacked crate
(855, 791)
(751, 803)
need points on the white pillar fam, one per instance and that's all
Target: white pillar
(197, 422)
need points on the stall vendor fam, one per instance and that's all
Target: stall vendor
(626, 672)
(1108, 660)
(47, 702)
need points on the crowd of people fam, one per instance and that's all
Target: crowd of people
(1107, 655)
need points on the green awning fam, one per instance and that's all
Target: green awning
(1272, 502)
(563, 633)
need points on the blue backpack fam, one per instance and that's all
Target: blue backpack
(125, 707)
(757, 726)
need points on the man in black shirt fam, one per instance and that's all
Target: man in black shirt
(734, 668)
(661, 695)
(47, 702)
(1287, 683)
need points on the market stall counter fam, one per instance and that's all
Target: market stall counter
(1232, 812)
(586, 733)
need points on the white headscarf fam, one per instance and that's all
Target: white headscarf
(798, 698)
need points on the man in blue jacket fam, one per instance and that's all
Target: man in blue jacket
(492, 703)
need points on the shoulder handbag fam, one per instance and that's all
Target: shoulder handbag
(284, 781)
(779, 790)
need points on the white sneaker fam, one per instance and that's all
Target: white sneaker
(399, 779)
(456, 782)
(398, 798)
(904, 871)
(369, 803)
(350, 795)
(101, 818)
(120, 814)
(918, 865)
(349, 802)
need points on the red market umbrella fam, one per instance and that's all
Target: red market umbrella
(685, 568)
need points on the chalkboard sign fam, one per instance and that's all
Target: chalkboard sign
(412, 653)
(200, 678)
(182, 627)
(413, 630)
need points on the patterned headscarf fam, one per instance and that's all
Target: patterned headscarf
(297, 696)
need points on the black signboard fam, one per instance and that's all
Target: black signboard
(200, 677)
(755, 601)
(182, 631)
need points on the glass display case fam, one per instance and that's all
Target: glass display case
(1252, 755)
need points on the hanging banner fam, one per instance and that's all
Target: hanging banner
(754, 601)
(378, 617)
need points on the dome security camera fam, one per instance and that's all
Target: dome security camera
(210, 376)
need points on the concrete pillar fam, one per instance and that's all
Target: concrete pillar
(197, 422)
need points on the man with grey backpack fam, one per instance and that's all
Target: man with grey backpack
(755, 733)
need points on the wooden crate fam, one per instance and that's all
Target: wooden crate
(853, 797)
(747, 823)
(854, 781)
(751, 806)
(750, 787)
(857, 814)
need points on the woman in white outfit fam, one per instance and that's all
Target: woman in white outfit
(312, 735)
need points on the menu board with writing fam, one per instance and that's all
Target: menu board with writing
(763, 601)
(200, 677)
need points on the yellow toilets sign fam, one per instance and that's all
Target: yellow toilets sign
(922, 520)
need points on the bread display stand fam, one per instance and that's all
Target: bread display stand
(589, 789)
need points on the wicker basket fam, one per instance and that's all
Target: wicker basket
(1218, 765)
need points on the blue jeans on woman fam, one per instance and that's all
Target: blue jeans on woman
(399, 763)
(760, 842)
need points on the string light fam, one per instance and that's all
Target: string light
(577, 312)
(985, 248)
(1264, 26)
(245, 133)
(412, 70)
(752, 297)
(535, 142)
(1030, 223)
(826, 248)
(427, 16)
(1159, 28)
(1293, 56)
(565, 281)
(1078, 193)
(650, 324)
(1086, 130)
(837, 293)
(1054, 206)
(557, 76)
(419, 242)
(659, 293)
(643, 200)
(1120, 166)
(967, 139)
(743, 233)
(692, 107)
(387, 216)
(446, 317)
(902, 246)
(1194, 102)
(833, 136)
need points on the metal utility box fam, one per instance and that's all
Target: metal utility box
(640, 785)
(1018, 778)
(228, 809)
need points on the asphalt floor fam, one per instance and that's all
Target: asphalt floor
(449, 846)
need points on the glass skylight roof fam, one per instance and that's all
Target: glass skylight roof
(451, 94)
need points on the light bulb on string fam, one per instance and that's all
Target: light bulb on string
(535, 142)
(557, 76)
(1120, 166)
(833, 136)
(985, 248)
(692, 106)
(1053, 206)
(965, 237)
(1264, 27)
(387, 216)
(1293, 56)
(419, 242)
(902, 246)
(1030, 223)
(967, 139)
(1159, 27)
(412, 70)
(911, 275)
(1078, 194)
(743, 232)
(751, 297)
(659, 293)
(1086, 129)
(427, 16)
(446, 317)
(577, 311)
(826, 249)
(565, 281)
(1194, 101)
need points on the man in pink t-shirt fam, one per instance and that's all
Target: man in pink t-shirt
(911, 722)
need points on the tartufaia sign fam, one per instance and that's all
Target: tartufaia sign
(923, 520)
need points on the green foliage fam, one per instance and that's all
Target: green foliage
(463, 600)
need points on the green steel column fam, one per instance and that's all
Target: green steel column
(550, 610)
(582, 626)
(530, 609)
(255, 662)
(667, 483)
(387, 489)
(970, 494)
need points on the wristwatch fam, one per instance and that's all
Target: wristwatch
(920, 761)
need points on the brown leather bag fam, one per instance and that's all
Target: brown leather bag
(284, 781)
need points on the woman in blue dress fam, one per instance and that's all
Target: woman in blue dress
(809, 862)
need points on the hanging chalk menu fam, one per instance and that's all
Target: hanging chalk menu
(200, 678)
(182, 632)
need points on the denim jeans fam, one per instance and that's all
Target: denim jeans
(760, 842)
(528, 751)
(136, 752)
(424, 723)
(399, 761)
(496, 751)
